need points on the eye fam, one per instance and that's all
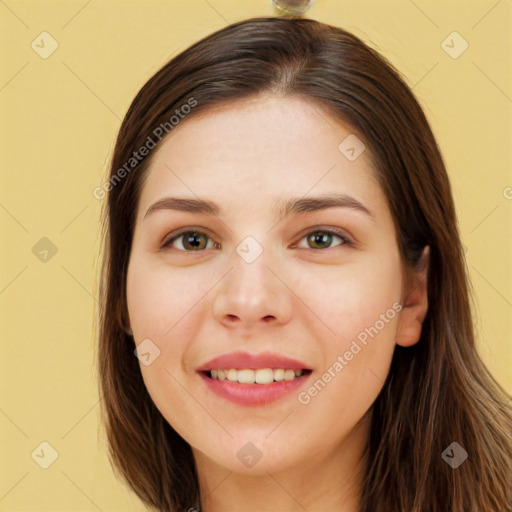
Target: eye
(196, 241)
(190, 241)
(322, 239)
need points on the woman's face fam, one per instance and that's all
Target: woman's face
(322, 286)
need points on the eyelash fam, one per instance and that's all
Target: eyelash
(330, 231)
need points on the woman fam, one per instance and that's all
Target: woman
(282, 256)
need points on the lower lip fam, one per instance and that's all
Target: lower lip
(253, 394)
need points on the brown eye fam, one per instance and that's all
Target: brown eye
(190, 241)
(322, 239)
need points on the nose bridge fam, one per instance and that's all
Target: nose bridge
(251, 275)
(251, 292)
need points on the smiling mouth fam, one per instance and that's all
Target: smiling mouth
(260, 376)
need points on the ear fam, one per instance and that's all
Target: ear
(415, 303)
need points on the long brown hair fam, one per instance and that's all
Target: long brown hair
(438, 392)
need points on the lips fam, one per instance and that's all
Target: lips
(254, 394)
(246, 360)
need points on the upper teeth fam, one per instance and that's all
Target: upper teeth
(260, 376)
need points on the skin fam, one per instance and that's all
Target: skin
(299, 299)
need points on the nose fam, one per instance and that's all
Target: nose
(252, 295)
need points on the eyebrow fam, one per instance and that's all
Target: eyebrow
(289, 207)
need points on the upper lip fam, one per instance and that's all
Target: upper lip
(246, 360)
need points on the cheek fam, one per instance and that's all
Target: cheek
(351, 298)
(159, 297)
(165, 307)
(360, 305)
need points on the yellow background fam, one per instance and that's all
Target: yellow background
(60, 116)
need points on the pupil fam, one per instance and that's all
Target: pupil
(321, 238)
(192, 240)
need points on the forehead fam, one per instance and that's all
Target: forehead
(260, 150)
